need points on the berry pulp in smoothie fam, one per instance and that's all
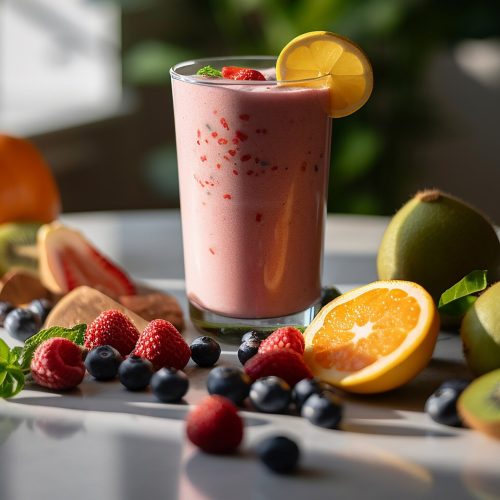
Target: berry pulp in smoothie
(253, 172)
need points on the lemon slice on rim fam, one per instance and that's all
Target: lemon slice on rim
(374, 338)
(321, 53)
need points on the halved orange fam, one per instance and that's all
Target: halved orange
(321, 53)
(374, 338)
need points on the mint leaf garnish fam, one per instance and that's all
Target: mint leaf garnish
(15, 363)
(75, 334)
(209, 71)
(457, 299)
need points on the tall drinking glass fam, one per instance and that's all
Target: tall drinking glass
(253, 159)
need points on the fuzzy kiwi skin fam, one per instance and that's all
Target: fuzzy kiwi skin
(479, 404)
(480, 332)
(435, 240)
(14, 235)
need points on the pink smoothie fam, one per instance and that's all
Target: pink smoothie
(253, 171)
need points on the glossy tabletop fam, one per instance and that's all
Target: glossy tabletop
(103, 442)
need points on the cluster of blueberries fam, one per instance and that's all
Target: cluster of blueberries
(24, 322)
(135, 373)
(315, 400)
(312, 398)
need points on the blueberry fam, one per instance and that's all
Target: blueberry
(270, 395)
(103, 362)
(169, 385)
(5, 308)
(279, 453)
(442, 404)
(205, 351)
(233, 383)
(324, 410)
(456, 384)
(307, 387)
(42, 307)
(328, 294)
(135, 373)
(248, 348)
(254, 334)
(22, 323)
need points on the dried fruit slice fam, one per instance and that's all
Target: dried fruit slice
(68, 260)
(373, 338)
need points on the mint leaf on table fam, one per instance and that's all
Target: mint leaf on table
(457, 299)
(11, 375)
(210, 72)
(75, 334)
(15, 363)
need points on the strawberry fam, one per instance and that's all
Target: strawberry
(215, 426)
(284, 363)
(58, 364)
(112, 328)
(163, 345)
(237, 73)
(286, 337)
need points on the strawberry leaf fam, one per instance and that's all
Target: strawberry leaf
(75, 334)
(457, 299)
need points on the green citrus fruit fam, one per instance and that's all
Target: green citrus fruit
(435, 240)
(480, 332)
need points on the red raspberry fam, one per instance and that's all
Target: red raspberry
(112, 328)
(58, 364)
(237, 73)
(284, 363)
(287, 337)
(163, 345)
(215, 426)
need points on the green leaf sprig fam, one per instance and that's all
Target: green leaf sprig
(457, 299)
(15, 363)
(210, 72)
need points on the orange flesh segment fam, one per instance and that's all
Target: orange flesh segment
(357, 333)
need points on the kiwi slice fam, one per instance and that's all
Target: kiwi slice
(479, 404)
(18, 246)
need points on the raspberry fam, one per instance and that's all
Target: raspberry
(215, 426)
(237, 73)
(287, 337)
(58, 364)
(163, 345)
(284, 363)
(112, 328)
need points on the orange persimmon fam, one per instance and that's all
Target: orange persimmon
(28, 191)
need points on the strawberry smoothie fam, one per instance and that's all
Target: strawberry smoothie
(253, 161)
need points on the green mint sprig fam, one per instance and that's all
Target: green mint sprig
(15, 363)
(210, 72)
(457, 299)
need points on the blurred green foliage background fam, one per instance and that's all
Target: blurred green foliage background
(371, 150)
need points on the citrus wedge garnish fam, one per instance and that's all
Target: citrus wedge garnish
(321, 53)
(374, 338)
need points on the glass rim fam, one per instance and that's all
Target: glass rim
(216, 81)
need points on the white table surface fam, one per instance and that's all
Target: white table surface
(102, 442)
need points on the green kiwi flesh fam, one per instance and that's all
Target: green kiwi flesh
(479, 404)
(18, 246)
